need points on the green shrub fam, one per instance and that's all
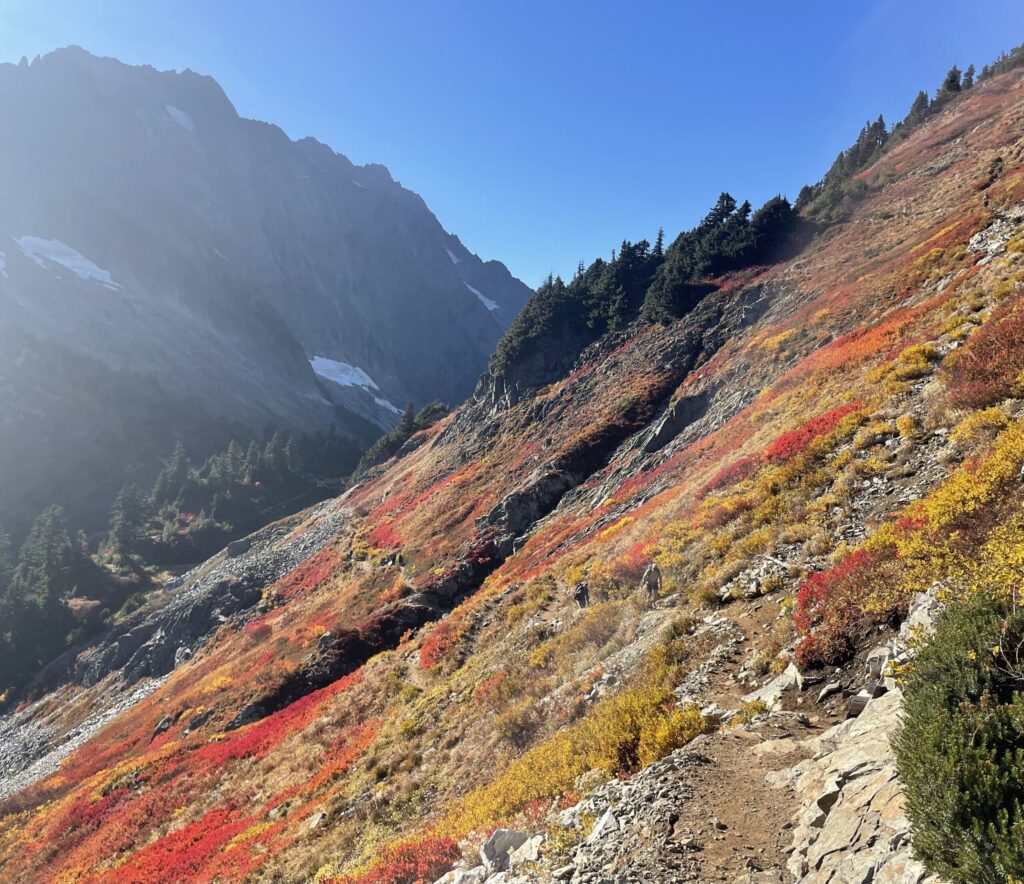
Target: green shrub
(961, 748)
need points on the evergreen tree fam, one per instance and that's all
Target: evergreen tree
(236, 462)
(274, 455)
(659, 244)
(430, 413)
(128, 519)
(918, 110)
(951, 84)
(805, 196)
(172, 477)
(45, 562)
(407, 425)
(968, 80)
(772, 225)
(252, 462)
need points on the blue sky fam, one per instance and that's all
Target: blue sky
(545, 132)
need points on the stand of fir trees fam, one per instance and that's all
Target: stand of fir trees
(57, 590)
(412, 422)
(192, 512)
(656, 284)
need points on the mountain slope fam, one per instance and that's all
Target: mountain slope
(149, 228)
(808, 447)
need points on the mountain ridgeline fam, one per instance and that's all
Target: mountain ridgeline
(171, 271)
(658, 284)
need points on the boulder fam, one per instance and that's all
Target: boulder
(771, 693)
(527, 852)
(496, 850)
(162, 727)
(476, 875)
(833, 687)
(607, 823)
(237, 547)
(198, 720)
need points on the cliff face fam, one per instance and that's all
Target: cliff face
(188, 260)
(403, 667)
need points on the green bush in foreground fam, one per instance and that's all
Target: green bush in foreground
(961, 748)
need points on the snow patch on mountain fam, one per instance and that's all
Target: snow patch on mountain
(390, 406)
(456, 260)
(52, 251)
(342, 373)
(3, 265)
(180, 117)
(487, 302)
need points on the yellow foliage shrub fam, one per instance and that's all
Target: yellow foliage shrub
(915, 362)
(779, 341)
(620, 734)
(981, 426)
(873, 433)
(907, 426)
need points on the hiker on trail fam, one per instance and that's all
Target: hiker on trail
(581, 594)
(651, 583)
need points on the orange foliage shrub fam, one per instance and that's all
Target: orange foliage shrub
(407, 862)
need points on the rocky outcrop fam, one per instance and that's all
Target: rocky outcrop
(154, 643)
(853, 825)
(683, 412)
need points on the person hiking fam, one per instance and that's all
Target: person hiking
(651, 583)
(581, 594)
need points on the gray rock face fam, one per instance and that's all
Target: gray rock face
(853, 827)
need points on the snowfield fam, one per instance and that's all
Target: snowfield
(342, 373)
(487, 302)
(180, 117)
(349, 376)
(3, 265)
(52, 251)
(455, 258)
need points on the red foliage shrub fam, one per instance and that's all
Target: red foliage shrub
(440, 643)
(255, 740)
(384, 536)
(828, 610)
(408, 862)
(985, 370)
(793, 442)
(732, 474)
(629, 567)
(258, 630)
(489, 685)
(181, 855)
(310, 573)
